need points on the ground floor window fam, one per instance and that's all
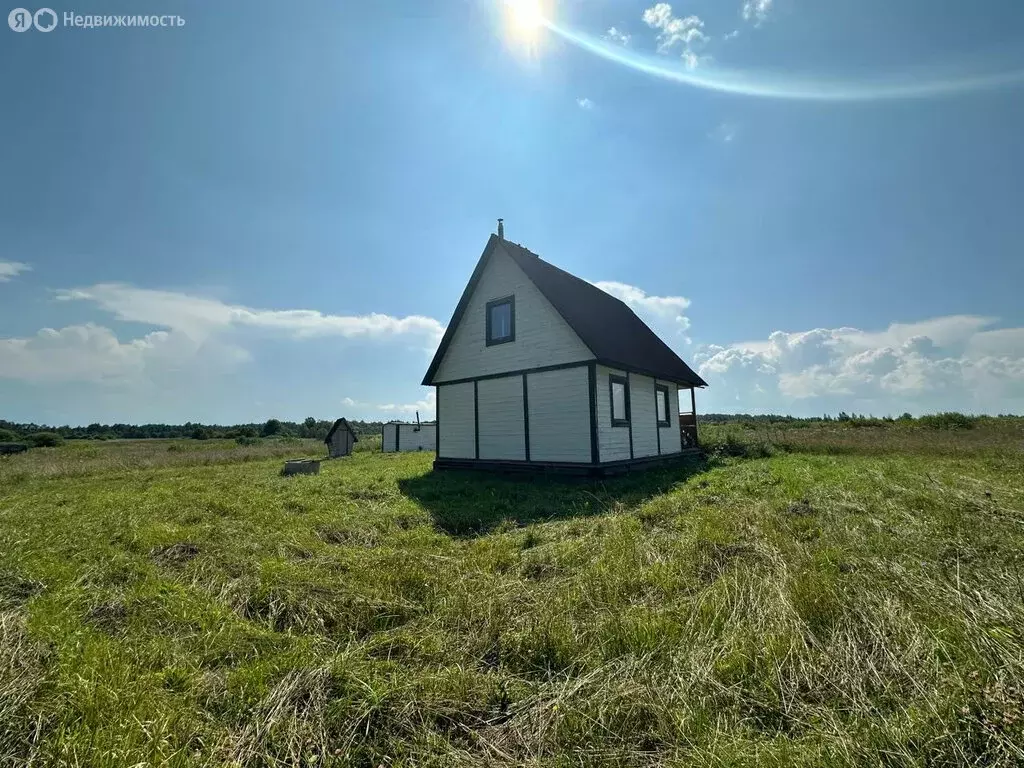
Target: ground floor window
(661, 404)
(619, 393)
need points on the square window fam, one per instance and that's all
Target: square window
(661, 404)
(501, 320)
(619, 395)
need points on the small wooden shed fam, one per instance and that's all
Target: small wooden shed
(340, 439)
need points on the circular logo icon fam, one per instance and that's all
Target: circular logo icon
(20, 20)
(45, 19)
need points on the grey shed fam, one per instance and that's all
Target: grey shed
(340, 439)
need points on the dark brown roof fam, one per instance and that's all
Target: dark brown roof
(612, 331)
(337, 425)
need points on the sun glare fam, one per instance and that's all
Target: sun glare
(524, 20)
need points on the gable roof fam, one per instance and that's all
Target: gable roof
(337, 425)
(612, 331)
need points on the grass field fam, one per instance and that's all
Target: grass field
(828, 598)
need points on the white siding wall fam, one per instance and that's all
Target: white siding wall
(542, 337)
(388, 438)
(455, 412)
(559, 415)
(613, 442)
(502, 432)
(645, 423)
(412, 440)
(670, 441)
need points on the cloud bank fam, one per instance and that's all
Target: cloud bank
(955, 363)
(11, 269)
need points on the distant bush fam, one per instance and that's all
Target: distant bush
(247, 440)
(6, 436)
(200, 433)
(951, 420)
(738, 444)
(272, 427)
(45, 440)
(866, 421)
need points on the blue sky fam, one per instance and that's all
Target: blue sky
(272, 214)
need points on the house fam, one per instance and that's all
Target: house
(539, 369)
(340, 439)
(401, 436)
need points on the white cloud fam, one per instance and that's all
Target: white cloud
(584, 103)
(725, 132)
(731, 35)
(200, 317)
(946, 363)
(684, 31)
(614, 35)
(196, 334)
(756, 10)
(426, 407)
(93, 353)
(11, 269)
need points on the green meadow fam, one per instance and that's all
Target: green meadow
(815, 596)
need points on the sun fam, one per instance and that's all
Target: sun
(524, 19)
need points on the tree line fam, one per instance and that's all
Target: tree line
(310, 428)
(45, 435)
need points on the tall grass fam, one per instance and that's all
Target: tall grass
(788, 607)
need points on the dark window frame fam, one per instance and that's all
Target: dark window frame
(612, 381)
(511, 301)
(658, 389)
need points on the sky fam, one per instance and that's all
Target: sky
(272, 213)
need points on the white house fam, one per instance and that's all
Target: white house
(403, 436)
(540, 369)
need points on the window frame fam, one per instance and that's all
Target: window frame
(658, 390)
(511, 301)
(614, 379)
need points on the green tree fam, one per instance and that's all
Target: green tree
(272, 427)
(45, 439)
(6, 436)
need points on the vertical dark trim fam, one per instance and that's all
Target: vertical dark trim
(657, 424)
(629, 415)
(693, 405)
(595, 456)
(526, 419)
(476, 419)
(437, 420)
(382, 438)
(398, 437)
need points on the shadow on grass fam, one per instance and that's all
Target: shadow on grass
(470, 503)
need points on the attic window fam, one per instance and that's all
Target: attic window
(661, 404)
(501, 320)
(619, 396)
